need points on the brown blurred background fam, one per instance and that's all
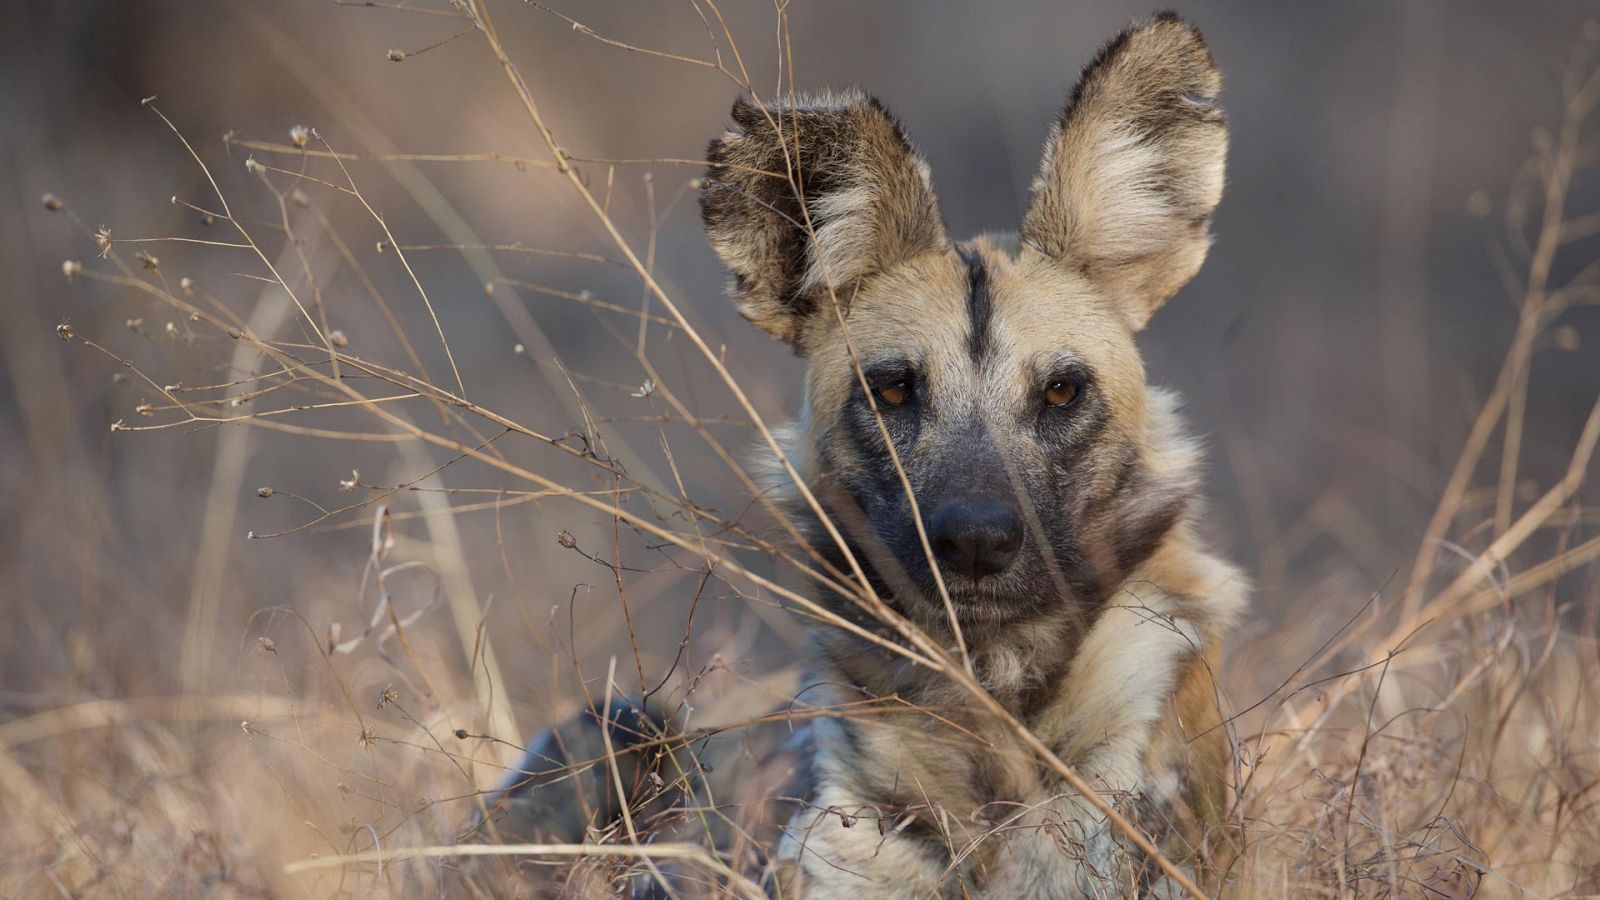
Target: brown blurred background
(1334, 350)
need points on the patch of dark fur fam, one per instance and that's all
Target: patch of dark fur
(980, 306)
(543, 799)
(773, 195)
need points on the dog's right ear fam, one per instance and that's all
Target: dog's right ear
(805, 199)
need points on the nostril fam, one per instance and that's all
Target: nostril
(952, 548)
(1011, 539)
(996, 548)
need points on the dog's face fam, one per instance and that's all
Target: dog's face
(1003, 376)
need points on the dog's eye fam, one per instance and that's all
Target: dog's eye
(1061, 391)
(892, 390)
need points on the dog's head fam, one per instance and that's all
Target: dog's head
(1003, 373)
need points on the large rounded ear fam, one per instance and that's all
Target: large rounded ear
(805, 199)
(1133, 167)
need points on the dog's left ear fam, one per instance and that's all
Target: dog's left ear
(1133, 168)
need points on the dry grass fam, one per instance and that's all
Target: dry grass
(1446, 741)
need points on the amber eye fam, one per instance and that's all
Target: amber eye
(1061, 392)
(893, 390)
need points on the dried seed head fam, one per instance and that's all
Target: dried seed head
(461, 734)
(187, 284)
(566, 539)
(65, 332)
(150, 261)
(264, 492)
(1478, 204)
(208, 220)
(253, 167)
(266, 645)
(519, 350)
(171, 330)
(102, 237)
(71, 267)
(397, 56)
(1566, 338)
(388, 696)
(133, 324)
(119, 425)
(349, 485)
(145, 409)
(300, 135)
(52, 202)
(338, 339)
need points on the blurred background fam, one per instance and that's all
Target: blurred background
(1334, 352)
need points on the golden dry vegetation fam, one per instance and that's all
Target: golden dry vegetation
(363, 448)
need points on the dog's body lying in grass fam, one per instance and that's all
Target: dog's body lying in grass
(1056, 489)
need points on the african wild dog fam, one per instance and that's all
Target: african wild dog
(1057, 488)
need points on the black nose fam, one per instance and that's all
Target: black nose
(976, 539)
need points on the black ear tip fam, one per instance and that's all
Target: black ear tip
(745, 113)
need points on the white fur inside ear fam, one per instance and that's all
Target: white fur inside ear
(1117, 194)
(845, 237)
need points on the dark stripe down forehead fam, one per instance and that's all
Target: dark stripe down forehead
(980, 306)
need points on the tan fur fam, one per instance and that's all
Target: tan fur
(1116, 672)
(1134, 167)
